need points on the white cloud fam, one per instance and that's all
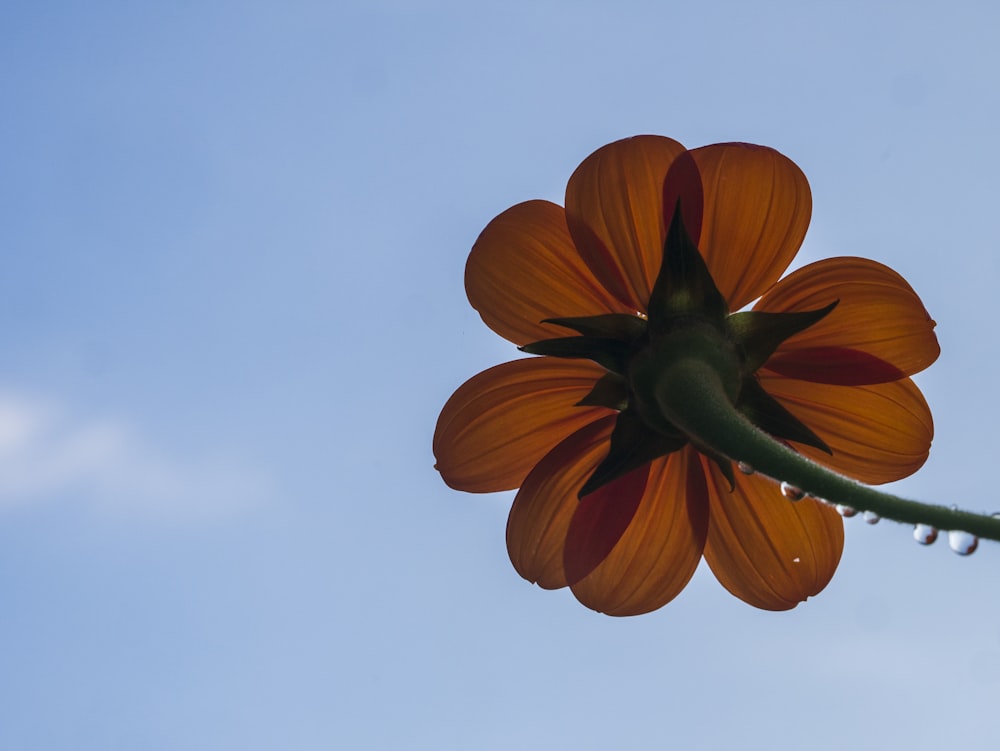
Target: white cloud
(46, 452)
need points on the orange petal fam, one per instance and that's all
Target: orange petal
(768, 551)
(524, 269)
(540, 517)
(500, 423)
(600, 520)
(757, 206)
(659, 552)
(879, 315)
(878, 433)
(614, 207)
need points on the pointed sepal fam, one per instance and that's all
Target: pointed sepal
(759, 333)
(611, 390)
(622, 326)
(633, 444)
(610, 353)
(684, 286)
(724, 463)
(768, 414)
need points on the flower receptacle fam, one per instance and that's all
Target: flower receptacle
(652, 371)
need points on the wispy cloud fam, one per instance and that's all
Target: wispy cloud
(47, 453)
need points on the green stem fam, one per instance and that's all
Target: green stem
(692, 396)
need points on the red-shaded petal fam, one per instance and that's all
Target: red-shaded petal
(524, 269)
(614, 208)
(768, 551)
(683, 185)
(500, 423)
(879, 315)
(878, 433)
(540, 517)
(836, 365)
(599, 522)
(657, 555)
(756, 212)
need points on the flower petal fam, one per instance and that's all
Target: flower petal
(500, 423)
(768, 551)
(524, 269)
(840, 366)
(658, 553)
(600, 520)
(614, 207)
(540, 517)
(757, 206)
(879, 328)
(878, 433)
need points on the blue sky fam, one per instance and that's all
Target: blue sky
(234, 237)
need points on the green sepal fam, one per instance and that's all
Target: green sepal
(684, 286)
(611, 353)
(632, 445)
(724, 463)
(759, 333)
(611, 390)
(623, 326)
(768, 414)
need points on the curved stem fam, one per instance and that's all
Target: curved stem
(691, 395)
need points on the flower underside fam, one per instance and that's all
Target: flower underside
(685, 310)
(621, 436)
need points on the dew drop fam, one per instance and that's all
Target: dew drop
(925, 534)
(791, 492)
(744, 468)
(872, 518)
(963, 543)
(845, 511)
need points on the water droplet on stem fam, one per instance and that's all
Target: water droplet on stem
(744, 468)
(791, 492)
(845, 511)
(872, 518)
(925, 534)
(963, 543)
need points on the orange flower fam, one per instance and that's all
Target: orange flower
(544, 424)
